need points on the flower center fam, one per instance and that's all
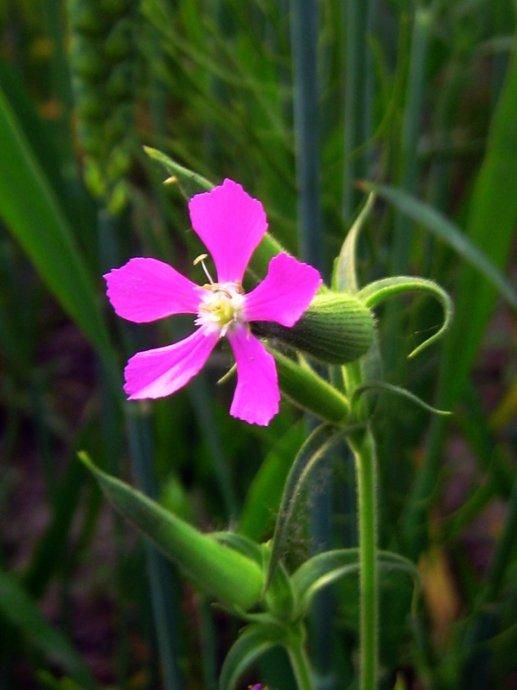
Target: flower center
(221, 307)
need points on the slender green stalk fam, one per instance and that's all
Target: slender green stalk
(304, 38)
(304, 48)
(351, 87)
(411, 128)
(300, 664)
(160, 576)
(365, 461)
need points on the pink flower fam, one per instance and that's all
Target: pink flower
(231, 224)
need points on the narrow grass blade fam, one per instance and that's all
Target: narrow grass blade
(493, 206)
(411, 128)
(304, 41)
(42, 229)
(447, 231)
(52, 545)
(17, 607)
(354, 17)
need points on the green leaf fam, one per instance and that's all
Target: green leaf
(380, 290)
(344, 277)
(326, 568)
(312, 451)
(383, 387)
(448, 232)
(193, 181)
(240, 543)
(491, 222)
(50, 549)
(263, 497)
(20, 610)
(32, 214)
(217, 570)
(252, 643)
(267, 249)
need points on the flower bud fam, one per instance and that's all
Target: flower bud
(337, 328)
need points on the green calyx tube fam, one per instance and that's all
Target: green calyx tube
(337, 328)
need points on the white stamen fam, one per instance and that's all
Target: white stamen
(201, 260)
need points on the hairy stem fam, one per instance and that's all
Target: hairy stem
(300, 663)
(363, 447)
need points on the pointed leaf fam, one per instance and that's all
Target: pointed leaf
(380, 290)
(44, 233)
(383, 387)
(312, 451)
(255, 641)
(216, 569)
(447, 231)
(344, 276)
(267, 249)
(195, 182)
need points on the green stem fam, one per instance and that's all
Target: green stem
(300, 663)
(363, 447)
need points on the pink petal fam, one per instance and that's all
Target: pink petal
(257, 396)
(160, 372)
(285, 293)
(147, 289)
(230, 223)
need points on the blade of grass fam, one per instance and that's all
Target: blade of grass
(42, 230)
(161, 578)
(411, 128)
(304, 37)
(448, 232)
(493, 205)
(17, 607)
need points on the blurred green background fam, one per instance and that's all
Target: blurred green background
(298, 101)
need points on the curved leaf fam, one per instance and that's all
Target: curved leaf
(448, 232)
(255, 641)
(312, 451)
(264, 495)
(383, 387)
(380, 290)
(344, 276)
(325, 568)
(216, 569)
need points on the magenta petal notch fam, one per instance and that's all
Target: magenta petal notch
(231, 224)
